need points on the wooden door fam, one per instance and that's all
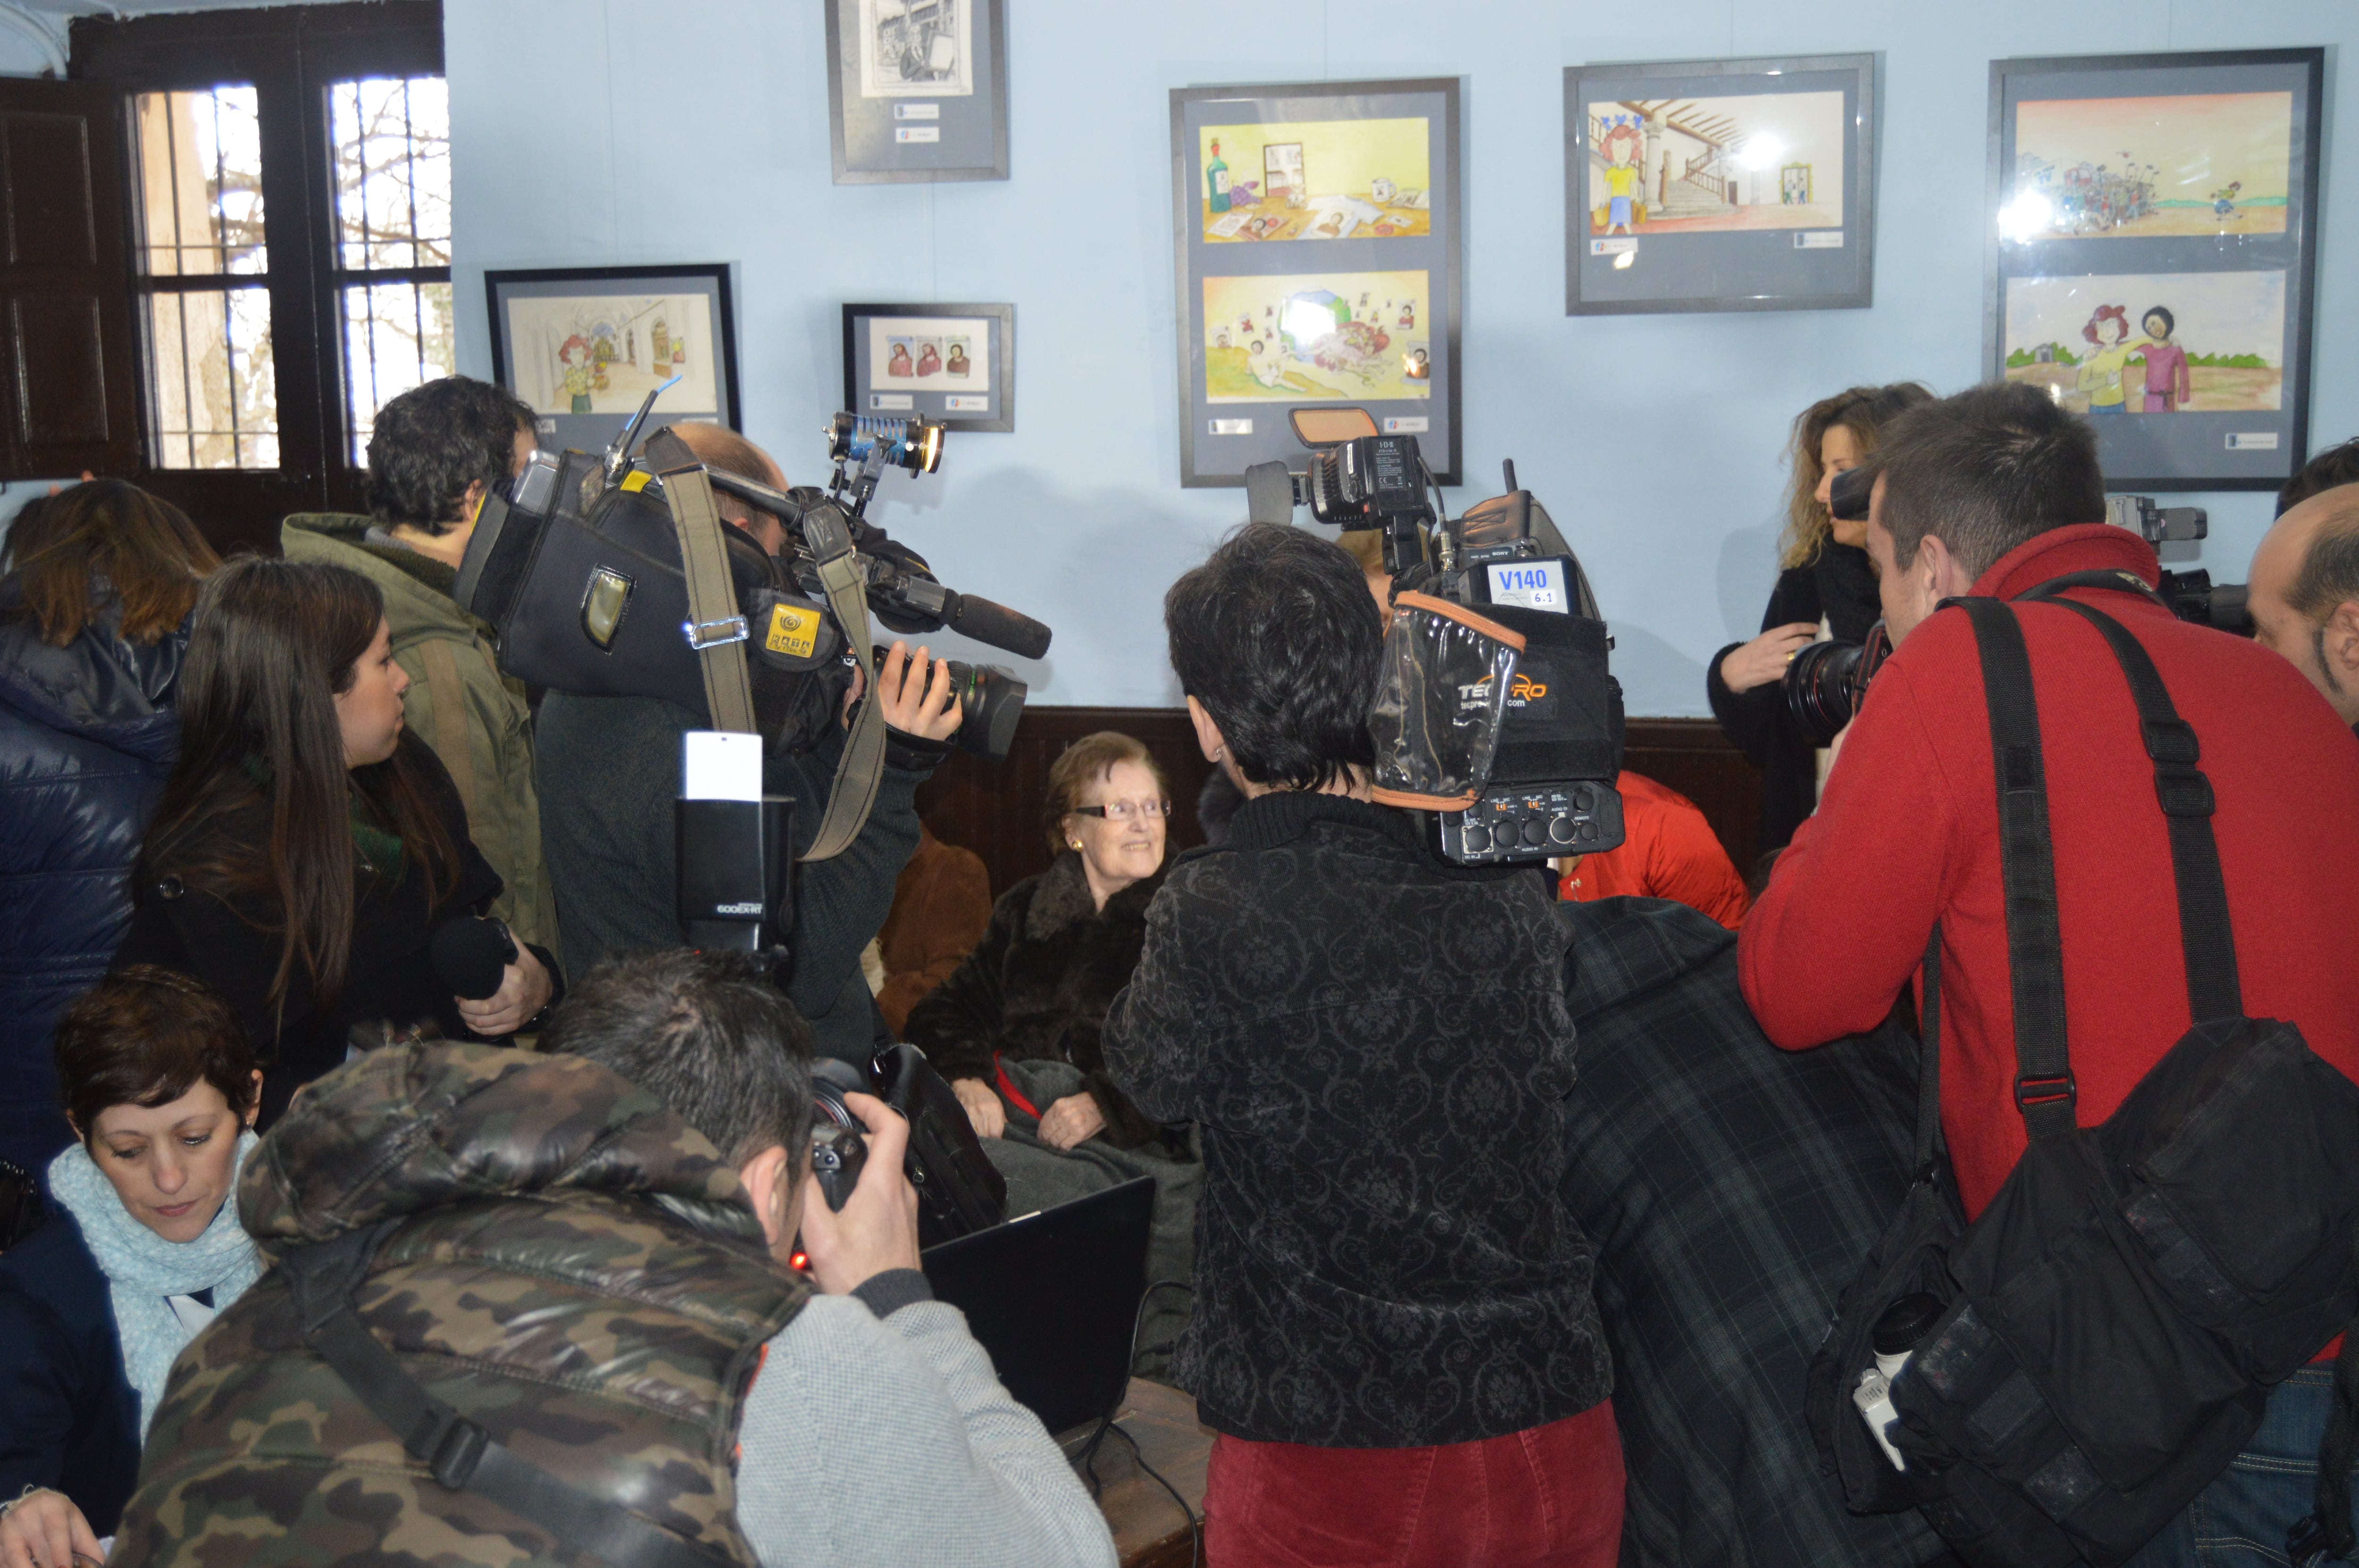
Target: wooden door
(66, 402)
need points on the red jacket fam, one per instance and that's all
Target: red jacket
(1907, 832)
(1668, 850)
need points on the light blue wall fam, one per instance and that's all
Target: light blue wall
(604, 132)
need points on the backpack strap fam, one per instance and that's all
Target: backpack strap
(2044, 1090)
(461, 1454)
(1929, 1060)
(2205, 937)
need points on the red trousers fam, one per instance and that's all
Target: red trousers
(1550, 1497)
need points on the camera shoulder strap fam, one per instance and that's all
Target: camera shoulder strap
(2044, 1090)
(828, 533)
(716, 626)
(461, 1455)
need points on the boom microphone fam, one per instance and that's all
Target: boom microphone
(471, 956)
(995, 624)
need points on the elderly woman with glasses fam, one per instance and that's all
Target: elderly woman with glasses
(1059, 946)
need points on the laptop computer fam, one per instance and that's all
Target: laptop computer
(1054, 1297)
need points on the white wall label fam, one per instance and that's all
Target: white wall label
(1232, 426)
(917, 111)
(965, 403)
(1405, 425)
(889, 401)
(1619, 245)
(2252, 440)
(1819, 240)
(908, 134)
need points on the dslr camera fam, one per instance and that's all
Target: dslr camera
(958, 1190)
(1497, 715)
(577, 568)
(1827, 681)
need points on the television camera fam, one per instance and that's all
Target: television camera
(1497, 715)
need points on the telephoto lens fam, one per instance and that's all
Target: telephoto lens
(1827, 681)
(990, 702)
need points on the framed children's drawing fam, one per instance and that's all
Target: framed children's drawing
(2151, 248)
(1720, 185)
(951, 364)
(1317, 257)
(917, 89)
(585, 345)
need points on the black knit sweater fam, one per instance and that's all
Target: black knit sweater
(1374, 1044)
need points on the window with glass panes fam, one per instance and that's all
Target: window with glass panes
(290, 202)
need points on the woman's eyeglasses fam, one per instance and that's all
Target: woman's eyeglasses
(1125, 810)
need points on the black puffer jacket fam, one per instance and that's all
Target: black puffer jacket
(87, 738)
(1038, 985)
(1376, 1046)
(1839, 587)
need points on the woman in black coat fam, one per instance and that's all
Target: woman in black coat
(93, 625)
(307, 848)
(1826, 587)
(1059, 946)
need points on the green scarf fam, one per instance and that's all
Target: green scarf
(379, 850)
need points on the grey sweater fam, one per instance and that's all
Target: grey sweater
(892, 1444)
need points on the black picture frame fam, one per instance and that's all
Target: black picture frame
(910, 396)
(522, 370)
(1697, 236)
(2125, 230)
(883, 131)
(1386, 232)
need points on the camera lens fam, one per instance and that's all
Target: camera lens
(991, 701)
(1827, 681)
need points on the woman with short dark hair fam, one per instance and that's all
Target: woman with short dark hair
(92, 626)
(1058, 948)
(307, 847)
(1393, 1332)
(141, 1248)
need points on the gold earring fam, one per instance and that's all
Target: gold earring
(1077, 843)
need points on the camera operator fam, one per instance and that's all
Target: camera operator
(2305, 593)
(912, 1393)
(610, 768)
(2336, 465)
(1393, 1311)
(1996, 492)
(433, 453)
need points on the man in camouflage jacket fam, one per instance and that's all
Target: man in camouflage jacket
(570, 1265)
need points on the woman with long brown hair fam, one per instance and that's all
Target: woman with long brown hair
(306, 847)
(1826, 588)
(93, 615)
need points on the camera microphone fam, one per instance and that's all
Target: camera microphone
(472, 955)
(995, 624)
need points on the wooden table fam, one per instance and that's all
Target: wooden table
(1148, 1529)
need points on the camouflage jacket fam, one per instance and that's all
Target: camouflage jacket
(574, 1269)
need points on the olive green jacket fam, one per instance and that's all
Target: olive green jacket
(568, 1264)
(459, 703)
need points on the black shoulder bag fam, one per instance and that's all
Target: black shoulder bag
(2111, 1324)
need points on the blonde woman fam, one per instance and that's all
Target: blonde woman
(1825, 588)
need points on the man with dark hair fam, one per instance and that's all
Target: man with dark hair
(610, 768)
(1996, 492)
(905, 1388)
(2336, 466)
(1393, 1310)
(2304, 593)
(434, 453)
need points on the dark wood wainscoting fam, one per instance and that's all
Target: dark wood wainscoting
(995, 809)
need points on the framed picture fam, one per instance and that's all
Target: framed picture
(2151, 251)
(585, 345)
(917, 89)
(1317, 227)
(1720, 185)
(955, 364)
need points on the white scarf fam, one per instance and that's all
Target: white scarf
(142, 1267)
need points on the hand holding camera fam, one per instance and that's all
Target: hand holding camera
(920, 697)
(877, 1230)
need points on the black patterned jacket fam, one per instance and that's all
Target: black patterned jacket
(1376, 1048)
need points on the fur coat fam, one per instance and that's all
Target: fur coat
(1038, 985)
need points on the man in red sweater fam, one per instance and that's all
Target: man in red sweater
(1995, 492)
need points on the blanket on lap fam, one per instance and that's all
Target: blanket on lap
(1731, 1190)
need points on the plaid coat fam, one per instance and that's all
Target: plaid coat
(1731, 1190)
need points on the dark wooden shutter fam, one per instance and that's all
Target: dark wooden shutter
(66, 402)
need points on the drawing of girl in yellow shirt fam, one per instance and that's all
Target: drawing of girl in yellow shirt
(2101, 372)
(1625, 178)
